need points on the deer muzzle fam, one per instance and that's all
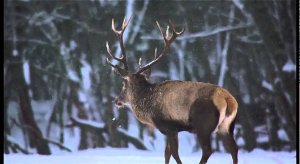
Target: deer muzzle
(119, 103)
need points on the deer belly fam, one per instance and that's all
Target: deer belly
(167, 126)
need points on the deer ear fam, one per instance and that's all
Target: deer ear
(146, 73)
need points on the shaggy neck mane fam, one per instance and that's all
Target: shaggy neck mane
(142, 96)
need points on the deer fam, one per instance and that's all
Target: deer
(173, 106)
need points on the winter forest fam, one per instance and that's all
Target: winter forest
(59, 90)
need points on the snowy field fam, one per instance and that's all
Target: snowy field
(130, 156)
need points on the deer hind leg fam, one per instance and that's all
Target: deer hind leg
(204, 117)
(230, 145)
(172, 142)
(204, 140)
(226, 134)
(204, 134)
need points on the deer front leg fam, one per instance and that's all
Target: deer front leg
(172, 148)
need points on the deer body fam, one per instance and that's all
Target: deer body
(172, 101)
(174, 106)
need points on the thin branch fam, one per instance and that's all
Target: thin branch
(241, 7)
(9, 141)
(204, 33)
(58, 144)
(37, 41)
(246, 39)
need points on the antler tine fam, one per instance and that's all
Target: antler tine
(113, 26)
(174, 32)
(173, 29)
(125, 23)
(162, 33)
(116, 68)
(119, 34)
(110, 53)
(168, 39)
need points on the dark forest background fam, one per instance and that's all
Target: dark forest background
(54, 54)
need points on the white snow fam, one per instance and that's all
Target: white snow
(82, 96)
(85, 72)
(26, 72)
(224, 66)
(15, 52)
(246, 99)
(72, 75)
(173, 71)
(154, 155)
(262, 138)
(289, 66)
(288, 98)
(91, 123)
(282, 135)
(132, 156)
(63, 49)
(267, 85)
(73, 45)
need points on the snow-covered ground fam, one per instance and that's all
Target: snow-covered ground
(131, 156)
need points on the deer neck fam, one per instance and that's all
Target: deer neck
(140, 90)
(141, 102)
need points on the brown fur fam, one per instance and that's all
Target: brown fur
(174, 106)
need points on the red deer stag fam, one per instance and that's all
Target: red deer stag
(174, 106)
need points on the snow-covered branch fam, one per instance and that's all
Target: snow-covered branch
(224, 52)
(241, 7)
(138, 23)
(87, 124)
(102, 128)
(45, 139)
(204, 33)
(247, 39)
(37, 41)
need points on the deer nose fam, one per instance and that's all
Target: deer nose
(118, 103)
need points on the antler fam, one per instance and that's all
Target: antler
(122, 58)
(168, 39)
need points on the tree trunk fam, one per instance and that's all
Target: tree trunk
(7, 90)
(279, 49)
(272, 128)
(244, 119)
(35, 134)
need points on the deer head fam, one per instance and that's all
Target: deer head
(140, 77)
